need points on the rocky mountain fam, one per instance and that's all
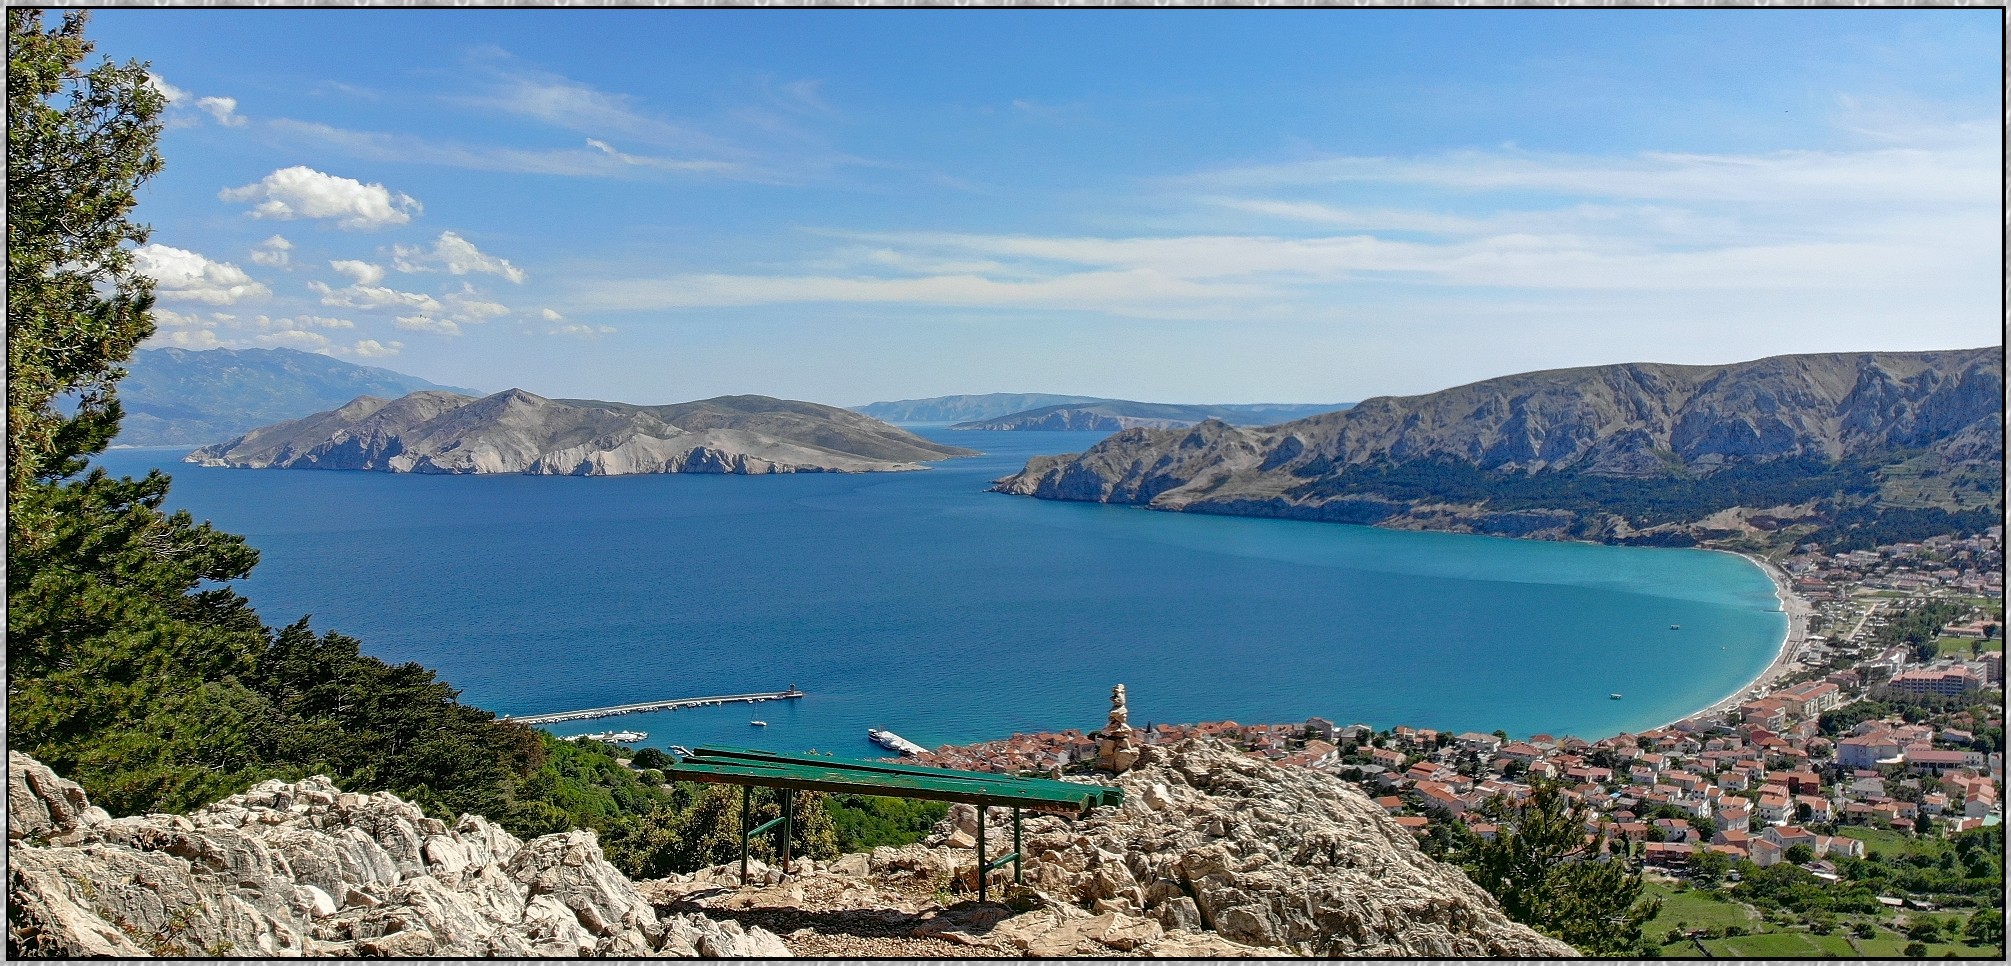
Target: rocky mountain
(1626, 452)
(184, 396)
(1214, 854)
(1034, 410)
(517, 432)
(1111, 415)
(952, 409)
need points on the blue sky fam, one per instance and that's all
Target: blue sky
(1191, 205)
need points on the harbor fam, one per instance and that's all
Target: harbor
(667, 704)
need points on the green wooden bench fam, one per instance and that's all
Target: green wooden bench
(748, 768)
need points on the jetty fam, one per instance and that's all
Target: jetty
(667, 704)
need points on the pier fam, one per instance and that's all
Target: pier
(668, 704)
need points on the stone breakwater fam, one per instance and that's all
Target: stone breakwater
(1213, 853)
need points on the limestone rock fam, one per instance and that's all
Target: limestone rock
(1270, 857)
(305, 869)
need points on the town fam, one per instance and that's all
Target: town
(1884, 731)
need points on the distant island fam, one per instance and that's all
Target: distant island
(1841, 448)
(1111, 415)
(196, 396)
(1046, 411)
(519, 432)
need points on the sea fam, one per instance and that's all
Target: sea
(922, 604)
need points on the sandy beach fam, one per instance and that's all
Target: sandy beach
(1798, 611)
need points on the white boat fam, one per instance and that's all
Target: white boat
(758, 723)
(1615, 695)
(618, 737)
(895, 743)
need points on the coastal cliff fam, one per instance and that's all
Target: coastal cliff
(519, 432)
(1634, 453)
(1214, 853)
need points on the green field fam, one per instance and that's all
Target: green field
(1695, 909)
(1965, 647)
(1888, 842)
(1782, 945)
(1892, 945)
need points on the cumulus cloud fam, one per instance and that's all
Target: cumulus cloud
(302, 192)
(222, 109)
(184, 275)
(275, 251)
(427, 323)
(361, 296)
(372, 349)
(220, 330)
(165, 89)
(456, 255)
(551, 315)
(364, 273)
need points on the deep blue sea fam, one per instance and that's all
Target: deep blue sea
(920, 603)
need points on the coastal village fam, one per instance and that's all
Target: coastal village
(1849, 730)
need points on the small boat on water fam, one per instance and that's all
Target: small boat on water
(758, 723)
(1675, 627)
(1615, 695)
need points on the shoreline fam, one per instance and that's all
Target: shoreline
(1797, 610)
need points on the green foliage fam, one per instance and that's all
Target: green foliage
(79, 144)
(1547, 875)
(865, 822)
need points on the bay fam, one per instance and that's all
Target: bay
(920, 603)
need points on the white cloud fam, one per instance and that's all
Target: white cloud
(224, 331)
(302, 192)
(427, 323)
(222, 109)
(581, 331)
(187, 339)
(585, 161)
(184, 275)
(275, 251)
(363, 273)
(372, 349)
(165, 89)
(373, 297)
(455, 254)
(551, 315)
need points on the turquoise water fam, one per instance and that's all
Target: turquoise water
(921, 603)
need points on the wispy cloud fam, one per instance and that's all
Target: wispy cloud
(589, 160)
(1885, 219)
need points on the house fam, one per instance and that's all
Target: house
(1667, 854)
(1934, 761)
(1773, 809)
(1479, 743)
(1735, 815)
(1867, 751)
(1764, 852)
(1819, 809)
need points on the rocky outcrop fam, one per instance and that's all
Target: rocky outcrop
(1267, 856)
(519, 432)
(1638, 421)
(305, 869)
(1213, 854)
